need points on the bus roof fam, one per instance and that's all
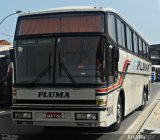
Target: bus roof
(80, 9)
(69, 9)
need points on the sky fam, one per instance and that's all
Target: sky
(142, 15)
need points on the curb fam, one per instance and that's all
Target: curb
(135, 128)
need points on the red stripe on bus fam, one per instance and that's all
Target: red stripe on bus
(119, 82)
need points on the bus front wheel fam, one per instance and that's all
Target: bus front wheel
(116, 125)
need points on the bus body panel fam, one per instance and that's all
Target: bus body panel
(137, 76)
(106, 117)
(55, 94)
(75, 105)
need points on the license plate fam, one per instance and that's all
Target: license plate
(54, 115)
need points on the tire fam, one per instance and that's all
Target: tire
(143, 101)
(117, 124)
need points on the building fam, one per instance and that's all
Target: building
(4, 43)
(155, 59)
(4, 47)
(155, 54)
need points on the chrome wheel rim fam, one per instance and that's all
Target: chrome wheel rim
(119, 113)
(144, 98)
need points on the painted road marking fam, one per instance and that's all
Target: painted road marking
(156, 83)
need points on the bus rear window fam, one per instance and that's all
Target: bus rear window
(68, 23)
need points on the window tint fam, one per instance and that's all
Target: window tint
(131, 40)
(135, 43)
(88, 55)
(29, 53)
(111, 27)
(61, 23)
(128, 38)
(144, 50)
(110, 68)
(119, 32)
(140, 47)
(123, 35)
(147, 50)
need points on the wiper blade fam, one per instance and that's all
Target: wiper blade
(38, 77)
(63, 66)
(69, 75)
(43, 72)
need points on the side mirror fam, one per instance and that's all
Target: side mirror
(11, 52)
(115, 54)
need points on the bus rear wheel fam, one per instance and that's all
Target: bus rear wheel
(116, 125)
(144, 98)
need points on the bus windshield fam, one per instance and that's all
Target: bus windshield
(61, 60)
(35, 60)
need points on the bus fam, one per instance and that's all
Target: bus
(78, 67)
(5, 77)
(155, 59)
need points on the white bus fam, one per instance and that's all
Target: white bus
(78, 67)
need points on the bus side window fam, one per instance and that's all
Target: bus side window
(144, 50)
(110, 65)
(112, 27)
(140, 48)
(119, 32)
(128, 34)
(147, 47)
(113, 58)
(135, 43)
